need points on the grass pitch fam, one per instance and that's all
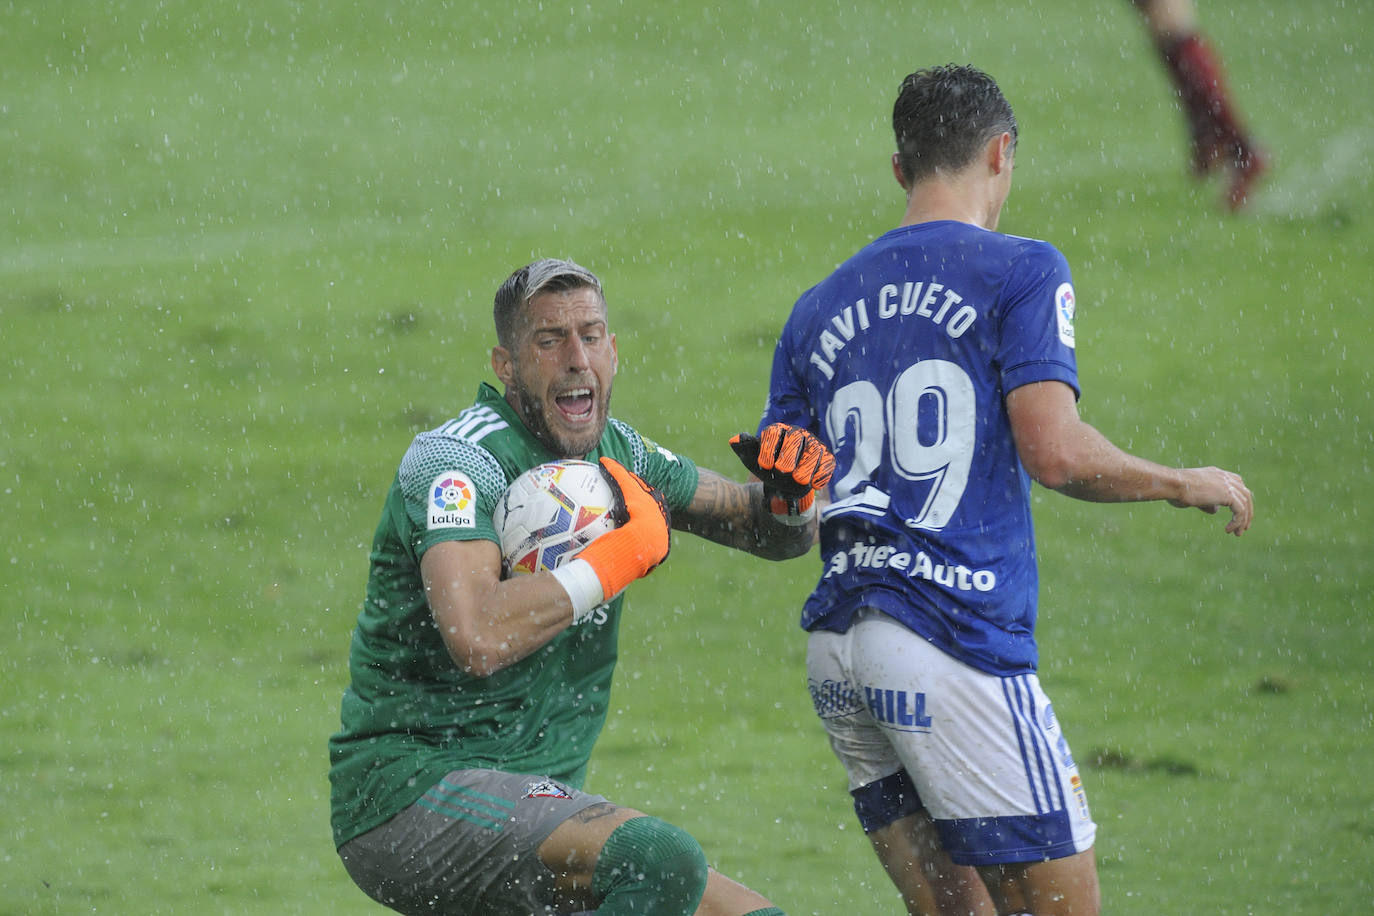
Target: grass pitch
(251, 250)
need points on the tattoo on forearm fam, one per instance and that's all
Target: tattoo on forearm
(728, 503)
(737, 515)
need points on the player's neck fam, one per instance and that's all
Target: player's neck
(938, 199)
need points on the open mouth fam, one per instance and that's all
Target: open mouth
(576, 404)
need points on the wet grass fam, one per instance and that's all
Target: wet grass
(249, 254)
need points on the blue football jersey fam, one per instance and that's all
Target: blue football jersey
(900, 361)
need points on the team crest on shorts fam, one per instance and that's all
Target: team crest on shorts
(546, 788)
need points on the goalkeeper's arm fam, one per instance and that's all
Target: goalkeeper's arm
(489, 623)
(607, 565)
(793, 466)
(773, 516)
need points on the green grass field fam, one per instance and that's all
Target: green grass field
(249, 251)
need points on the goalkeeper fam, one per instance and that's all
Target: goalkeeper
(456, 775)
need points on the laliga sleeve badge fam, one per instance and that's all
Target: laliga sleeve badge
(452, 502)
(1063, 313)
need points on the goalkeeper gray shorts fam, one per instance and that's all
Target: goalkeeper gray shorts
(468, 847)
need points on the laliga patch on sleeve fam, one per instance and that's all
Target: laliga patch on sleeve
(1063, 312)
(452, 502)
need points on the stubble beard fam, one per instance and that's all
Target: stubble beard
(534, 410)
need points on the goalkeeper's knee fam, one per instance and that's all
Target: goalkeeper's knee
(649, 866)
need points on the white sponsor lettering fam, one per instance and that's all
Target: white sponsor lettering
(914, 566)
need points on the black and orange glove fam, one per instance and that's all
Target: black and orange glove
(792, 463)
(632, 550)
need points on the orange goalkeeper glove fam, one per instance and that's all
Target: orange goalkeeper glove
(792, 463)
(631, 551)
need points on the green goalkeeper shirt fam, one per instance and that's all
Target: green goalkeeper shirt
(409, 714)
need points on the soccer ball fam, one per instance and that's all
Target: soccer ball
(551, 512)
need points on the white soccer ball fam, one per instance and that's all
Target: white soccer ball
(552, 511)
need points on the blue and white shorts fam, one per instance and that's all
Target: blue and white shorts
(916, 728)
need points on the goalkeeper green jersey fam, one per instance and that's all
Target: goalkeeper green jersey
(410, 715)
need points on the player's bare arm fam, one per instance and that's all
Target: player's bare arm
(737, 515)
(488, 623)
(1065, 454)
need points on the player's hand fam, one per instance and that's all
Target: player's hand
(792, 463)
(631, 551)
(1209, 489)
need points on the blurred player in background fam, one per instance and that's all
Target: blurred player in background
(1217, 138)
(938, 365)
(475, 700)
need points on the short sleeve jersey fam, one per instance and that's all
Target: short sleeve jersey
(409, 714)
(900, 361)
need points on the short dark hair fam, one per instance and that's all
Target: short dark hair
(547, 275)
(944, 116)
